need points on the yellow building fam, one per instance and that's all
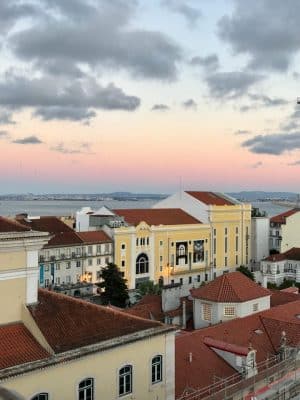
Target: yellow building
(228, 221)
(56, 347)
(166, 245)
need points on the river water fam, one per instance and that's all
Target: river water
(69, 207)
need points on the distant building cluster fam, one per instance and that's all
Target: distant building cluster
(211, 332)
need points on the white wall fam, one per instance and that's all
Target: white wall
(260, 228)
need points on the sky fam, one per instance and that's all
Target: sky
(149, 96)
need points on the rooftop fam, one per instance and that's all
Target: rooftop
(9, 225)
(18, 346)
(68, 323)
(233, 287)
(211, 198)
(44, 224)
(263, 330)
(157, 216)
(292, 254)
(281, 218)
(94, 237)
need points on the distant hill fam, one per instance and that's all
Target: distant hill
(263, 196)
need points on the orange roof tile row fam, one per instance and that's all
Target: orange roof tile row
(210, 198)
(230, 288)
(45, 224)
(292, 254)
(78, 238)
(157, 216)
(263, 330)
(69, 323)
(8, 225)
(281, 218)
(18, 346)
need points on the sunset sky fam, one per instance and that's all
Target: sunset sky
(145, 95)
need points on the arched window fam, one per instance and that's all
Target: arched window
(156, 369)
(142, 264)
(86, 389)
(181, 250)
(40, 396)
(125, 380)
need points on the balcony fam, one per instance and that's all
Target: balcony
(52, 258)
(42, 258)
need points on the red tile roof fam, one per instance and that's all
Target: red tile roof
(148, 307)
(94, 237)
(8, 225)
(211, 198)
(157, 216)
(263, 330)
(234, 287)
(279, 297)
(291, 289)
(292, 254)
(45, 224)
(68, 323)
(225, 346)
(281, 218)
(18, 346)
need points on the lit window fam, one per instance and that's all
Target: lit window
(125, 380)
(156, 369)
(86, 389)
(229, 311)
(206, 312)
(40, 396)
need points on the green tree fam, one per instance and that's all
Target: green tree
(147, 287)
(113, 286)
(244, 270)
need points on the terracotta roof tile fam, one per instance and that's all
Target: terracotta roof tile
(211, 198)
(8, 225)
(18, 346)
(64, 239)
(157, 216)
(45, 224)
(234, 287)
(228, 347)
(292, 254)
(148, 307)
(69, 323)
(94, 237)
(263, 330)
(279, 297)
(281, 218)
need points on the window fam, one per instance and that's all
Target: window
(226, 245)
(237, 260)
(226, 231)
(90, 262)
(125, 380)
(47, 282)
(78, 251)
(190, 279)
(68, 265)
(160, 258)
(206, 312)
(181, 281)
(255, 307)
(107, 248)
(78, 264)
(225, 262)
(147, 241)
(98, 248)
(123, 263)
(156, 369)
(198, 278)
(68, 278)
(137, 241)
(215, 245)
(161, 243)
(107, 260)
(142, 264)
(57, 266)
(57, 281)
(90, 250)
(123, 246)
(98, 261)
(160, 268)
(237, 230)
(229, 311)
(236, 243)
(215, 232)
(86, 389)
(40, 396)
(47, 268)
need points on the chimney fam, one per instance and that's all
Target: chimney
(183, 314)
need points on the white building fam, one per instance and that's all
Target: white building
(89, 220)
(278, 267)
(227, 297)
(284, 230)
(260, 225)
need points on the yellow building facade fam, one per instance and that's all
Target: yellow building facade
(56, 347)
(168, 247)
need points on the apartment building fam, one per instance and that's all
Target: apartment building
(284, 230)
(56, 347)
(228, 221)
(278, 267)
(69, 257)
